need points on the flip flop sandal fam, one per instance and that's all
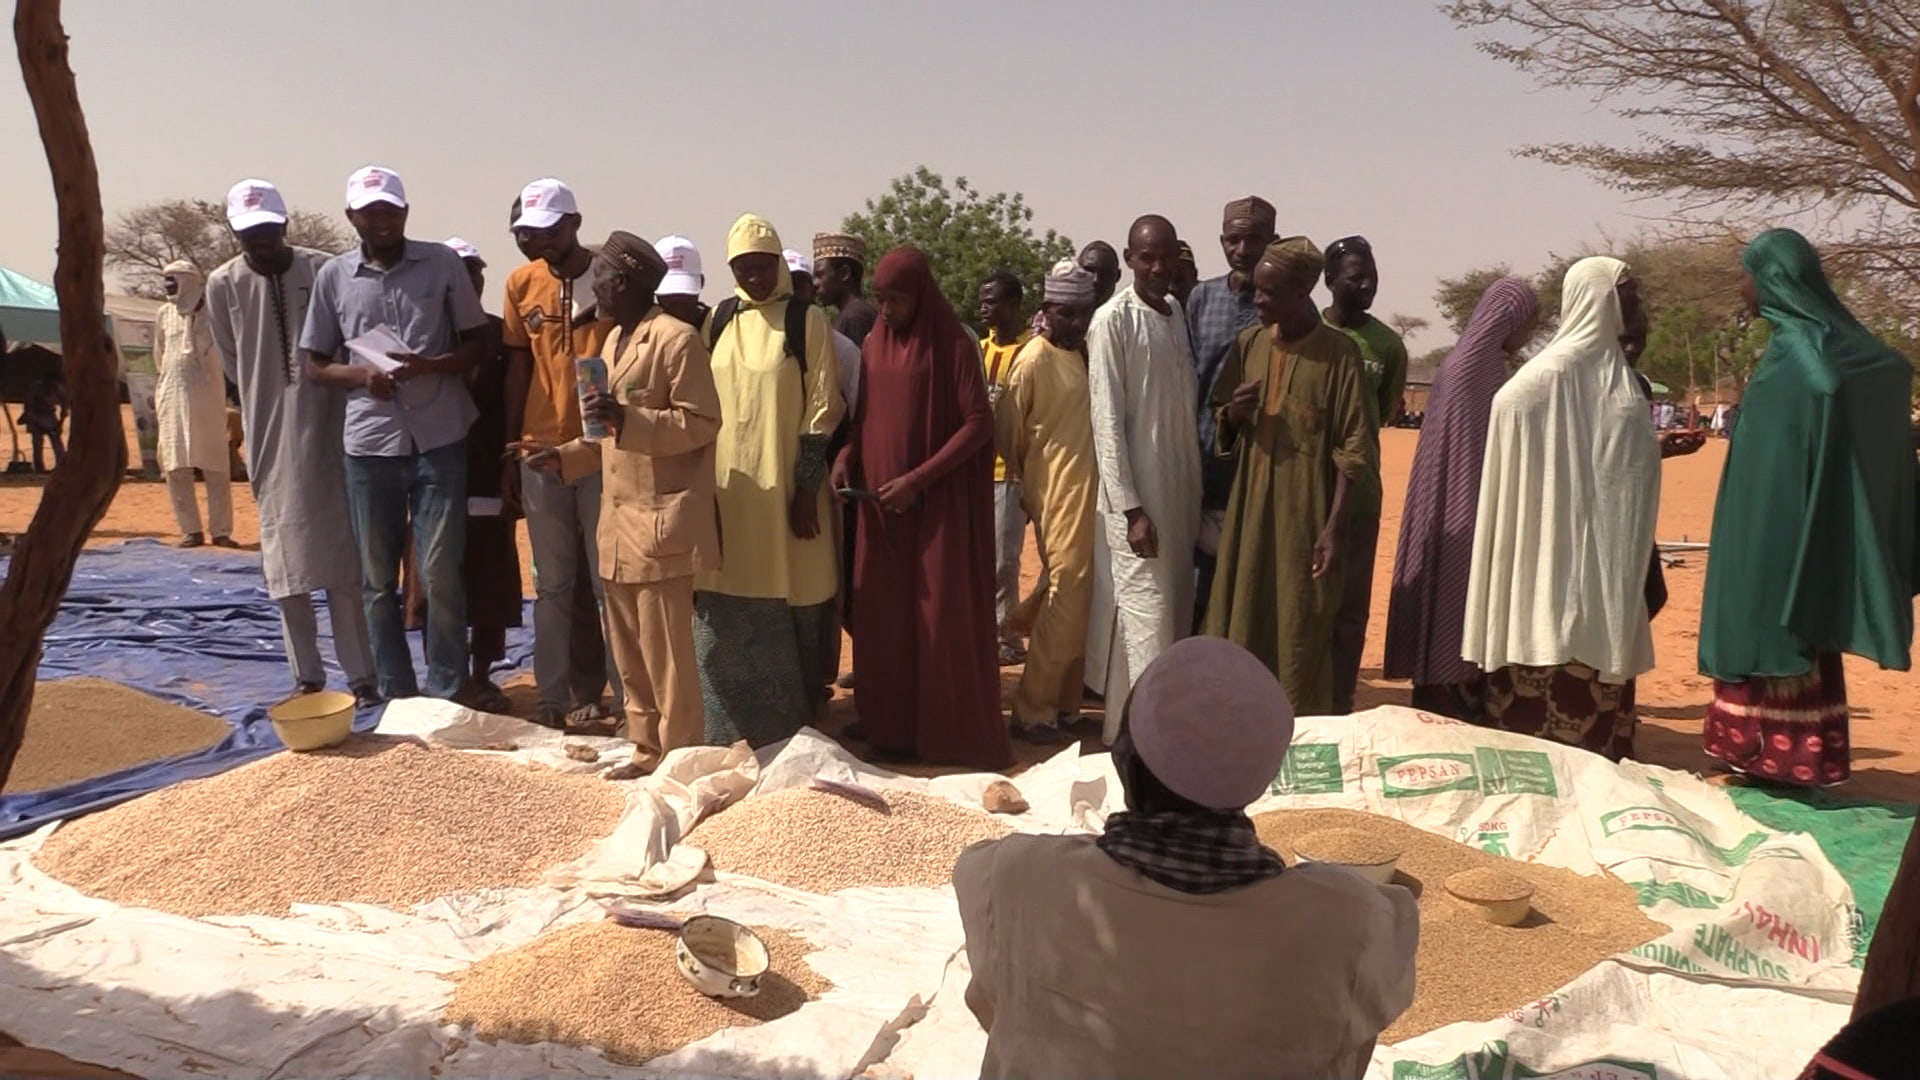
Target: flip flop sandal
(591, 720)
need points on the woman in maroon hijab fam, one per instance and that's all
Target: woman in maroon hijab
(920, 457)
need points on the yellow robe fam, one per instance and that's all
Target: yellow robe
(1044, 431)
(767, 407)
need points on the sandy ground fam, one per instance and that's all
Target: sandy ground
(1672, 697)
(1886, 739)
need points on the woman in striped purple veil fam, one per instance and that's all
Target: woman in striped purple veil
(1435, 554)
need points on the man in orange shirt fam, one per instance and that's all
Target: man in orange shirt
(549, 321)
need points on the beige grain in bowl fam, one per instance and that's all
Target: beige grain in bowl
(1372, 857)
(1501, 898)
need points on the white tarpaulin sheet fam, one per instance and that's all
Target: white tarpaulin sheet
(1754, 976)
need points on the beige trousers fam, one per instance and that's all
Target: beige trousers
(650, 633)
(186, 511)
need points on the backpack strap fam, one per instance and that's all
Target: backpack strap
(722, 315)
(796, 327)
(797, 333)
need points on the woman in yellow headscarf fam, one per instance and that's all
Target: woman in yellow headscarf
(763, 618)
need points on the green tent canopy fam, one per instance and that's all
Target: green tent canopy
(29, 311)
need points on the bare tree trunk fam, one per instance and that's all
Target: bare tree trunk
(1893, 960)
(77, 495)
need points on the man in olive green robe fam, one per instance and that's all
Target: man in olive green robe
(1290, 400)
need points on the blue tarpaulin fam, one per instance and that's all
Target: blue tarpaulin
(192, 627)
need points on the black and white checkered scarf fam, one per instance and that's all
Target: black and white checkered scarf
(1198, 851)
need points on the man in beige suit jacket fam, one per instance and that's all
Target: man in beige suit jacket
(659, 523)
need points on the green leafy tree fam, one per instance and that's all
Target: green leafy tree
(143, 240)
(967, 235)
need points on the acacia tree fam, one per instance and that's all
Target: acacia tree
(77, 494)
(1746, 109)
(145, 239)
(967, 235)
(1406, 325)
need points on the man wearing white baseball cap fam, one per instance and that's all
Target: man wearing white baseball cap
(256, 305)
(679, 292)
(1175, 944)
(407, 417)
(549, 323)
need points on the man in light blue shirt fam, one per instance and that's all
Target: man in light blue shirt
(407, 421)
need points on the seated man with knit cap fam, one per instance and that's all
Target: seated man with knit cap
(1175, 944)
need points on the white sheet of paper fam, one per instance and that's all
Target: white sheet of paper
(372, 347)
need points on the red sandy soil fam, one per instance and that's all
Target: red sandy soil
(1672, 696)
(1886, 738)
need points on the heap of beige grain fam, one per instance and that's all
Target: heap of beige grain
(822, 842)
(83, 728)
(617, 989)
(1468, 968)
(377, 821)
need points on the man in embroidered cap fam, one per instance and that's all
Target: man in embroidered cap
(1220, 310)
(1140, 373)
(659, 482)
(256, 304)
(1290, 407)
(840, 265)
(1176, 944)
(1354, 280)
(548, 325)
(1044, 431)
(763, 617)
(190, 398)
(407, 419)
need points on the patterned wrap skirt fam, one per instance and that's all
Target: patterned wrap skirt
(1567, 704)
(1784, 729)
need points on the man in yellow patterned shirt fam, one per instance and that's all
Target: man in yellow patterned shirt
(1007, 333)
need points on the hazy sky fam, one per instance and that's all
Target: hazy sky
(1369, 116)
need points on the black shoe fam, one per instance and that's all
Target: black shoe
(846, 681)
(308, 687)
(225, 542)
(366, 697)
(193, 540)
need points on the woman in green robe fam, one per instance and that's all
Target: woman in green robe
(1813, 531)
(1290, 401)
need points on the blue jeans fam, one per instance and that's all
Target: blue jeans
(431, 488)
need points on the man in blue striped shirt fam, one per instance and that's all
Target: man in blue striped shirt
(407, 421)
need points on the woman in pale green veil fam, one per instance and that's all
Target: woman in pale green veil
(1813, 530)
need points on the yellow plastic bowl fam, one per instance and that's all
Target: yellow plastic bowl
(313, 721)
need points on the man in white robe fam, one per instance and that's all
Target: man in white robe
(190, 398)
(256, 305)
(1140, 369)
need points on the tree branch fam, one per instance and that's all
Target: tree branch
(77, 494)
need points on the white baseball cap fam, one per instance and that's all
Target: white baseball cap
(374, 184)
(683, 267)
(798, 263)
(465, 250)
(544, 202)
(255, 202)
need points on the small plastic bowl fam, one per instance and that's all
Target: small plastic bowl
(1501, 898)
(313, 721)
(721, 958)
(1372, 859)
